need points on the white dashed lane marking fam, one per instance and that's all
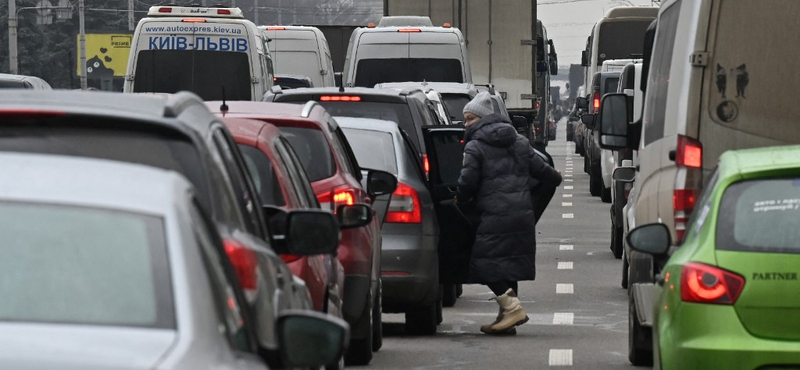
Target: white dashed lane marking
(565, 265)
(567, 180)
(563, 318)
(566, 195)
(568, 187)
(565, 247)
(568, 215)
(566, 204)
(565, 289)
(560, 357)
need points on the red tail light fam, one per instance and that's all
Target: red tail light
(404, 206)
(223, 12)
(683, 201)
(194, 20)
(689, 153)
(245, 264)
(708, 284)
(596, 101)
(336, 198)
(165, 10)
(409, 30)
(289, 258)
(339, 98)
(425, 164)
(276, 28)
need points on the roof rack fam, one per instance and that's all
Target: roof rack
(308, 108)
(179, 102)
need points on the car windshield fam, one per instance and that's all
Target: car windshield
(213, 75)
(455, 105)
(80, 265)
(373, 149)
(611, 85)
(621, 39)
(760, 215)
(312, 150)
(398, 113)
(152, 149)
(263, 174)
(371, 72)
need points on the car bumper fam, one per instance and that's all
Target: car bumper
(409, 271)
(714, 338)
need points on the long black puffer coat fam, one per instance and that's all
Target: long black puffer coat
(498, 171)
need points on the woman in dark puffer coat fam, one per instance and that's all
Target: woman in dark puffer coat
(499, 170)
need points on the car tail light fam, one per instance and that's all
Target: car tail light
(446, 25)
(289, 258)
(689, 159)
(194, 20)
(223, 12)
(245, 264)
(708, 284)
(370, 25)
(29, 113)
(336, 198)
(165, 10)
(409, 30)
(276, 28)
(404, 206)
(339, 98)
(426, 165)
(596, 101)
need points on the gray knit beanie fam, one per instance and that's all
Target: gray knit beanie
(480, 105)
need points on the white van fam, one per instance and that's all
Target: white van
(401, 54)
(608, 158)
(722, 76)
(301, 51)
(214, 52)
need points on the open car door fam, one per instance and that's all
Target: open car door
(457, 222)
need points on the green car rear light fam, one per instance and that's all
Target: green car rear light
(702, 283)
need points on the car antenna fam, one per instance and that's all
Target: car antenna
(224, 107)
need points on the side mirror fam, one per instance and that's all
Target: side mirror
(613, 121)
(581, 103)
(588, 120)
(311, 232)
(541, 66)
(519, 122)
(624, 174)
(584, 59)
(310, 339)
(380, 183)
(651, 239)
(354, 215)
(553, 66)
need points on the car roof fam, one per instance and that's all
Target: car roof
(90, 182)
(370, 124)
(441, 87)
(312, 113)
(423, 29)
(751, 161)
(311, 91)
(249, 130)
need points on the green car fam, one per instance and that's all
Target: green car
(729, 297)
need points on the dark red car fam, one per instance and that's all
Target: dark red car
(335, 176)
(281, 181)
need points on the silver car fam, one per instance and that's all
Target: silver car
(109, 265)
(409, 256)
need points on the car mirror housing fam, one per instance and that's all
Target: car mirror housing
(311, 232)
(588, 120)
(581, 103)
(380, 183)
(519, 122)
(310, 339)
(354, 215)
(624, 174)
(613, 121)
(651, 239)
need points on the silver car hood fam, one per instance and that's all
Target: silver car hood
(67, 347)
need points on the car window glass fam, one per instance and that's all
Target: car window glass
(248, 202)
(227, 303)
(399, 113)
(455, 105)
(313, 150)
(303, 183)
(374, 149)
(698, 218)
(415, 159)
(263, 174)
(348, 155)
(80, 265)
(760, 215)
(292, 173)
(660, 67)
(370, 72)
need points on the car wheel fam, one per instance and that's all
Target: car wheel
(360, 350)
(421, 320)
(594, 187)
(459, 290)
(449, 295)
(616, 241)
(377, 320)
(624, 269)
(439, 311)
(638, 337)
(605, 195)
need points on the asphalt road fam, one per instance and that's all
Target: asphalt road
(577, 307)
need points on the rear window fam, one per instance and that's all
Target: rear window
(399, 113)
(611, 85)
(75, 265)
(373, 149)
(312, 150)
(263, 174)
(621, 39)
(162, 151)
(370, 72)
(760, 215)
(206, 73)
(455, 105)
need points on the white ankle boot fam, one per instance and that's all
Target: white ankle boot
(511, 314)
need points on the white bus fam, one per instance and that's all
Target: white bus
(213, 52)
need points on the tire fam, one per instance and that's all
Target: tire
(377, 320)
(360, 350)
(625, 269)
(594, 187)
(421, 320)
(449, 295)
(605, 194)
(459, 290)
(638, 336)
(439, 311)
(616, 241)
